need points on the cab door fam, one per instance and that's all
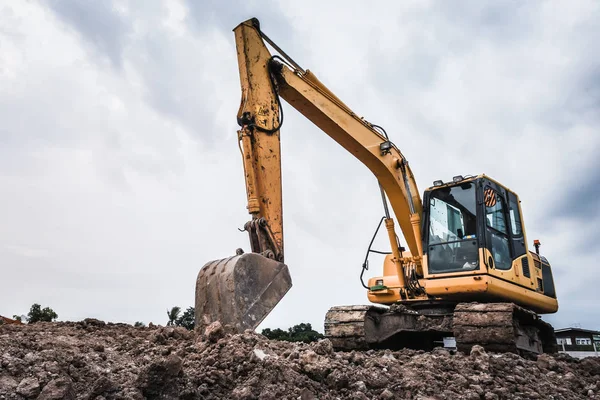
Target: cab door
(496, 230)
(504, 236)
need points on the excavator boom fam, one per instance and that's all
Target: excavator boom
(264, 79)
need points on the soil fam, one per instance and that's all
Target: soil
(102, 361)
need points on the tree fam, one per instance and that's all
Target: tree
(139, 324)
(173, 315)
(276, 334)
(298, 333)
(187, 319)
(37, 314)
(18, 318)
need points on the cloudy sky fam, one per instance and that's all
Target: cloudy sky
(120, 174)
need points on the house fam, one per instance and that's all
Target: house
(4, 320)
(578, 342)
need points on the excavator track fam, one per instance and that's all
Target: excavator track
(371, 327)
(345, 327)
(498, 327)
(501, 327)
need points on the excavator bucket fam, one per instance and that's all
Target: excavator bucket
(239, 291)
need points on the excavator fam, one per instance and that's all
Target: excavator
(465, 276)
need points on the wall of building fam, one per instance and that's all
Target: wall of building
(574, 340)
(581, 354)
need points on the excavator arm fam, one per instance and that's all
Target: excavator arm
(264, 80)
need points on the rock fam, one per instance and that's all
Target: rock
(569, 376)
(52, 367)
(99, 347)
(440, 351)
(338, 379)
(30, 358)
(316, 367)
(545, 361)
(58, 389)
(471, 395)
(94, 322)
(158, 337)
(158, 374)
(360, 386)
(29, 387)
(478, 389)
(214, 331)
(308, 357)
(103, 385)
(242, 393)
(323, 347)
(461, 381)
(478, 352)
(7, 384)
(173, 365)
(260, 354)
(386, 394)
(307, 395)
(182, 333)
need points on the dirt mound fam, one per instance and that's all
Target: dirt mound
(94, 360)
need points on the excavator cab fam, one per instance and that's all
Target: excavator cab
(474, 225)
(475, 248)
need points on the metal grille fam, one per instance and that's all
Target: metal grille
(548, 281)
(540, 285)
(525, 266)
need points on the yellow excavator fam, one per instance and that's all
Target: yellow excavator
(465, 277)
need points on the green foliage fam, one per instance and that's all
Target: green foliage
(173, 315)
(187, 319)
(37, 314)
(139, 324)
(17, 318)
(298, 333)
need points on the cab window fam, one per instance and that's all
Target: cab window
(497, 228)
(515, 219)
(494, 210)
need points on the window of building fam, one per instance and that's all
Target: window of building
(583, 341)
(566, 341)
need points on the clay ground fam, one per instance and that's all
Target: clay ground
(94, 360)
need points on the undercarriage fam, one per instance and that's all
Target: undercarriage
(498, 327)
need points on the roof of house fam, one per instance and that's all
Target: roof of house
(9, 320)
(576, 329)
